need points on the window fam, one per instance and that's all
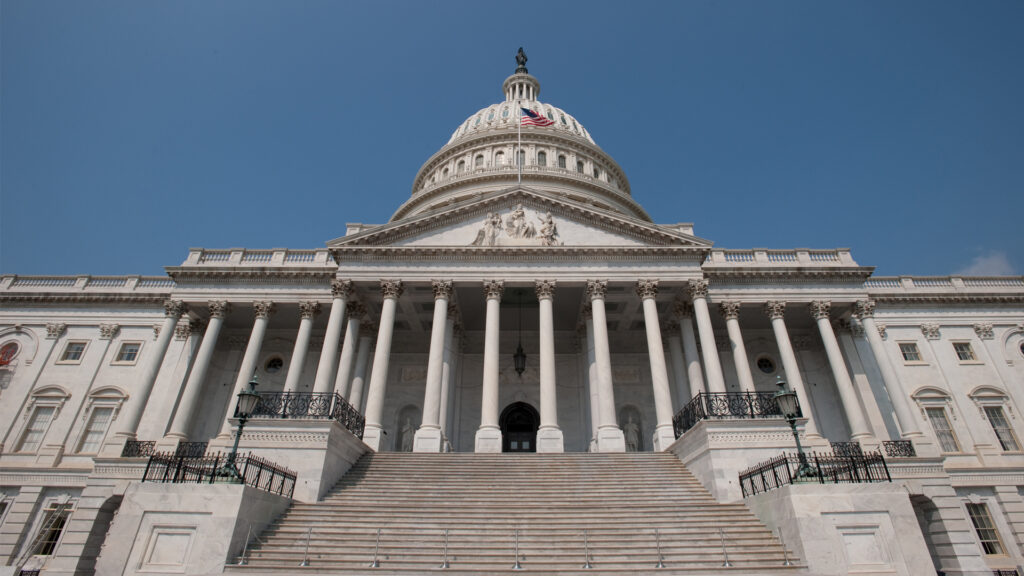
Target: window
(1007, 439)
(561, 161)
(38, 424)
(943, 431)
(522, 158)
(128, 353)
(910, 352)
(55, 517)
(478, 161)
(461, 166)
(499, 158)
(542, 159)
(579, 166)
(7, 353)
(73, 352)
(273, 365)
(765, 364)
(95, 429)
(985, 528)
(597, 172)
(964, 352)
(445, 173)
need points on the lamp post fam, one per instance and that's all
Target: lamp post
(787, 402)
(247, 401)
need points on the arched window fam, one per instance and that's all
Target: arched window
(478, 161)
(461, 166)
(597, 172)
(561, 161)
(522, 158)
(42, 410)
(445, 173)
(101, 409)
(499, 158)
(579, 166)
(542, 159)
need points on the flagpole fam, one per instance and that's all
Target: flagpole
(519, 146)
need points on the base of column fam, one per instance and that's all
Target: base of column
(373, 436)
(664, 436)
(169, 443)
(428, 440)
(488, 440)
(113, 446)
(923, 445)
(610, 439)
(549, 439)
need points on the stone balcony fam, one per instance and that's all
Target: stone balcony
(765, 258)
(927, 288)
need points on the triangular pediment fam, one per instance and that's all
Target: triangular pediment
(520, 217)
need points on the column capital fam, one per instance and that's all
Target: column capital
(263, 308)
(647, 289)
(109, 331)
(342, 288)
(391, 288)
(545, 289)
(355, 309)
(930, 331)
(775, 309)
(596, 289)
(309, 309)
(493, 289)
(174, 308)
(984, 331)
(820, 309)
(442, 289)
(864, 308)
(453, 312)
(843, 325)
(682, 309)
(219, 308)
(730, 309)
(671, 329)
(54, 330)
(587, 311)
(697, 289)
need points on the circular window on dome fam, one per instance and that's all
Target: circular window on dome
(273, 365)
(766, 364)
(8, 352)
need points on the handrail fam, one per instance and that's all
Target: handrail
(727, 406)
(317, 405)
(165, 467)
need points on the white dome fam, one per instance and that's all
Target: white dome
(505, 115)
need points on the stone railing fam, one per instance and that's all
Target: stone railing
(923, 285)
(528, 170)
(760, 258)
(240, 257)
(86, 283)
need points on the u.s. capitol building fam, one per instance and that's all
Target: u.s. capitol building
(520, 370)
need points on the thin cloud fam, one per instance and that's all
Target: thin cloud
(992, 264)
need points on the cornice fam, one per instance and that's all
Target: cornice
(504, 254)
(949, 298)
(83, 298)
(205, 274)
(773, 275)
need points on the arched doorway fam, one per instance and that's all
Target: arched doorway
(519, 423)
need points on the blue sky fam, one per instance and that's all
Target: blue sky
(132, 130)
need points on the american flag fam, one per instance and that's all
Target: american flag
(531, 118)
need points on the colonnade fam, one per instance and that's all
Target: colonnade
(345, 373)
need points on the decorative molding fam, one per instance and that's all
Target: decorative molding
(864, 308)
(801, 342)
(309, 309)
(587, 311)
(391, 289)
(682, 309)
(775, 309)
(671, 329)
(355, 310)
(730, 310)
(219, 308)
(156, 331)
(109, 331)
(54, 330)
(237, 342)
(931, 331)
(489, 254)
(984, 331)
(545, 289)
(857, 328)
(881, 330)
(647, 289)
(264, 308)
(596, 289)
(697, 289)
(493, 289)
(442, 289)
(453, 313)
(843, 325)
(342, 288)
(820, 309)
(174, 308)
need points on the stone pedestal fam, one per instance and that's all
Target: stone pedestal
(610, 439)
(428, 440)
(663, 438)
(488, 440)
(550, 440)
(373, 437)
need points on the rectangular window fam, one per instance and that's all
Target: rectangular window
(964, 351)
(73, 352)
(128, 353)
(95, 430)
(943, 431)
(1007, 439)
(38, 424)
(910, 352)
(985, 528)
(55, 517)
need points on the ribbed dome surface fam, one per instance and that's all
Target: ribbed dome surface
(506, 114)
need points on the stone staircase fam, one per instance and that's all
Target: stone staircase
(621, 504)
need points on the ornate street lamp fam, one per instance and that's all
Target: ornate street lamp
(787, 402)
(247, 401)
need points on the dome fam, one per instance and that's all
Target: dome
(505, 115)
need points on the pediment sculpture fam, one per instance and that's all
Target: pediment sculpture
(517, 230)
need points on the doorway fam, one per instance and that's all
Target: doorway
(519, 423)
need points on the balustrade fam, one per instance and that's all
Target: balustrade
(725, 406)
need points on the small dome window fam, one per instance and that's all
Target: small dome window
(597, 172)
(522, 158)
(504, 113)
(477, 123)
(579, 166)
(551, 116)
(561, 161)
(461, 166)
(542, 159)
(499, 158)
(575, 127)
(490, 116)
(478, 161)
(445, 173)
(562, 116)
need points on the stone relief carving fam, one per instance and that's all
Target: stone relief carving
(109, 331)
(930, 331)
(984, 331)
(647, 288)
(516, 230)
(54, 330)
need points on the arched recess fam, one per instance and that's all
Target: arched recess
(519, 422)
(632, 428)
(406, 421)
(97, 536)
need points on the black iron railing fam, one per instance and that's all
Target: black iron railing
(899, 448)
(326, 405)
(825, 469)
(846, 449)
(138, 449)
(255, 471)
(190, 449)
(1006, 572)
(726, 405)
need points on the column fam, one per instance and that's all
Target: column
(488, 436)
(731, 312)
(549, 436)
(341, 292)
(428, 436)
(355, 397)
(193, 387)
(776, 312)
(664, 435)
(821, 310)
(355, 312)
(374, 432)
(675, 351)
(447, 373)
(609, 435)
(263, 309)
(307, 310)
(712, 365)
(684, 312)
(865, 310)
(592, 386)
(132, 415)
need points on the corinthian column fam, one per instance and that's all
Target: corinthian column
(549, 436)
(488, 436)
(731, 312)
(821, 311)
(355, 395)
(341, 291)
(373, 432)
(712, 365)
(190, 397)
(776, 311)
(307, 311)
(684, 312)
(355, 312)
(592, 379)
(675, 352)
(664, 435)
(428, 438)
(263, 310)
(609, 435)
